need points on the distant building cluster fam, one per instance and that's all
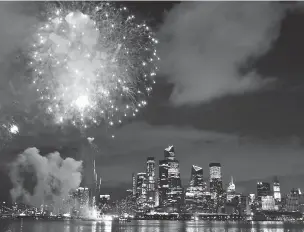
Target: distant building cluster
(165, 193)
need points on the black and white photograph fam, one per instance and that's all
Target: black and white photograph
(151, 116)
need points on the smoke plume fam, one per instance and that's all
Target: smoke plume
(204, 45)
(43, 179)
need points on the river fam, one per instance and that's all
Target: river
(145, 226)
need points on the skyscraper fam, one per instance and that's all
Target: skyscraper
(173, 168)
(197, 179)
(163, 182)
(150, 182)
(194, 197)
(141, 190)
(263, 189)
(133, 184)
(276, 190)
(216, 185)
(231, 190)
(170, 188)
(292, 201)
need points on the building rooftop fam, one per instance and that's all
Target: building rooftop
(214, 165)
(197, 168)
(170, 149)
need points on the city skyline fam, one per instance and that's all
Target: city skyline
(167, 194)
(214, 171)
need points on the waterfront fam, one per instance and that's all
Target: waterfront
(145, 226)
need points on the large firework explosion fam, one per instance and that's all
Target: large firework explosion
(92, 63)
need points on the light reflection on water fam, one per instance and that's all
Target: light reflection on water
(145, 226)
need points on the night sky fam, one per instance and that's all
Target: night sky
(230, 90)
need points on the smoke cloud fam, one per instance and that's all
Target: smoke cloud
(204, 45)
(43, 179)
(17, 23)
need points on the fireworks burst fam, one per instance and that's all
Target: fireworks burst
(13, 129)
(7, 131)
(92, 62)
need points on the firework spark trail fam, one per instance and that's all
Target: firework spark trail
(92, 63)
(99, 185)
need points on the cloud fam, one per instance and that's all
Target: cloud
(17, 22)
(204, 45)
(37, 179)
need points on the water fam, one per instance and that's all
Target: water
(145, 226)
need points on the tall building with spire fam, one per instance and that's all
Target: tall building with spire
(170, 188)
(276, 190)
(231, 190)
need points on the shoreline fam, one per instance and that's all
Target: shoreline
(140, 219)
